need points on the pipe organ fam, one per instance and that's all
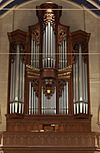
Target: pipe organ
(48, 68)
(48, 90)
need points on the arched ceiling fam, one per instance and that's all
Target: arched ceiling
(92, 5)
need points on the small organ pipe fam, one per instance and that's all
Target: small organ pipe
(17, 75)
(67, 95)
(12, 84)
(30, 97)
(14, 77)
(23, 82)
(83, 83)
(32, 100)
(77, 80)
(80, 73)
(64, 105)
(36, 55)
(46, 45)
(42, 100)
(86, 82)
(74, 86)
(51, 46)
(20, 79)
(34, 107)
(49, 41)
(63, 54)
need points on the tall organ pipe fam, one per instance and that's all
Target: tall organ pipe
(80, 74)
(48, 46)
(17, 83)
(80, 85)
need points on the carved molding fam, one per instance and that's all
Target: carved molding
(62, 33)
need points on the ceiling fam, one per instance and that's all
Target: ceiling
(92, 5)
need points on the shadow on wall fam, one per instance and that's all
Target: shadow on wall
(98, 122)
(0, 115)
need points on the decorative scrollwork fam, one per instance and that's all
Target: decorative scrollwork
(62, 31)
(65, 73)
(76, 50)
(36, 36)
(32, 73)
(49, 16)
(49, 87)
(61, 84)
(49, 84)
(35, 84)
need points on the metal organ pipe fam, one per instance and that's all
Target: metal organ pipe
(80, 74)
(86, 92)
(30, 97)
(37, 56)
(74, 86)
(49, 40)
(33, 100)
(42, 101)
(48, 46)
(80, 84)
(17, 83)
(34, 54)
(63, 100)
(67, 95)
(62, 54)
(51, 49)
(48, 105)
(17, 74)
(44, 48)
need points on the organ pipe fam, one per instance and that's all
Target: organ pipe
(48, 105)
(34, 53)
(48, 46)
(17, 83)
(33, 100)
(63, 100)
(80, 85)
(80, 75)
(62, 54)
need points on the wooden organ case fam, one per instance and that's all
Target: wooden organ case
(48, 99)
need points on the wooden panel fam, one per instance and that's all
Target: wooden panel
(62, 123)
(48, 142)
